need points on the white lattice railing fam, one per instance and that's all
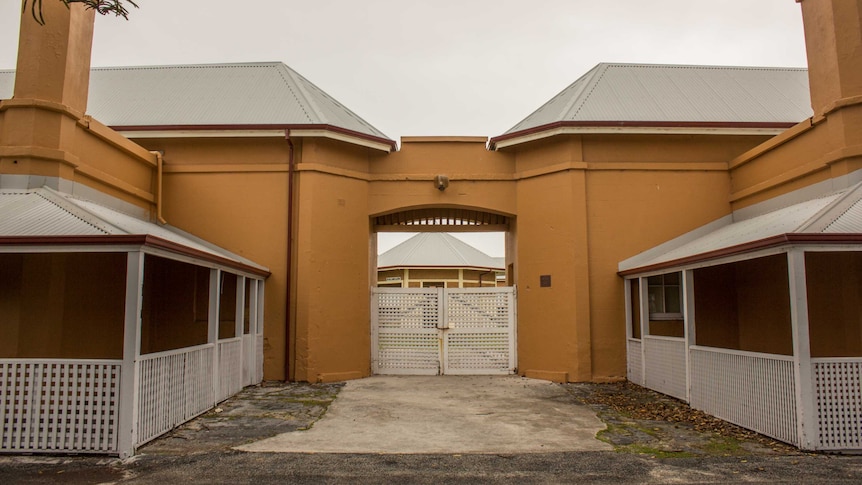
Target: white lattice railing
(258, 360)
(174, 386)
(838, 391)
(754, 390)
(229, 368)
(634, 361)
(59, 405)
(664, 365)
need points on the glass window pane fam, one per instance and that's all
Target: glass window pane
(656, 299)
(671, 279)
(654, 280)
(672, 299)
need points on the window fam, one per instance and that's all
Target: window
(665, 297)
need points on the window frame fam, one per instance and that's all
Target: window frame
(657, 316)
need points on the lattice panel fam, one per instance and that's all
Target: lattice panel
(756, 391)
(59, 405)
(838, 387)
(230, 368)
(634, 361)
(408, 353)
(258, 357)
(408, 310)
(173, 387)
(477, 309)
(664, 366)
(477, 353)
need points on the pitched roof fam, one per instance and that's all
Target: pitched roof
(827, 218)
(38, 215)
(437, 249)
(265, 93)
(674, 94)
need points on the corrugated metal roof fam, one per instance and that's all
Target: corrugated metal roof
(210, 94)
(836, 213)
(674, 93)
(437, 249)
(44, 212)
(32, 213)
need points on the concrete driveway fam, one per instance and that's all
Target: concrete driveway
(448, 414)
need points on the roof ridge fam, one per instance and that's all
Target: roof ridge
(75, 210)
(595, 74)
(448, 240)
(833, 211)
(593, 82)
(285, 69)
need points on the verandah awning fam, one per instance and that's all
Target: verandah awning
(834, 218)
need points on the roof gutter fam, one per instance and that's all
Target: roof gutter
(560, 127)
(248, 130)
(766, 243)
(288, 351)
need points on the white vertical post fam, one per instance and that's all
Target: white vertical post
(239, 330)
(805, 403)
(240, 306)
(127, 428)
(260, 295)
(212, 334)
(689, 322)
(442, 324)
(627, 288)
(643, 286)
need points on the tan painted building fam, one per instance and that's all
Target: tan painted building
(601, 197)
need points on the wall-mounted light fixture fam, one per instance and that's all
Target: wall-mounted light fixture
(441, 182)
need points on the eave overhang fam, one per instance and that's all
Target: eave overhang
(142, 241)
(420, 266)
(773, 242)
(258, 131)
(636, 127)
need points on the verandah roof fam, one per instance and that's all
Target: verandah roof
(834, 218)
(30, 217)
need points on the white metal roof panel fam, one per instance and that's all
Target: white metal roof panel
(30, 213)
(436, 249)
(839, 212)
(210, 94)
(850, 221)
(44, 212)
(674, 93)
(782, 221)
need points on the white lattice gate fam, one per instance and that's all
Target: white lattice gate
(429, 331)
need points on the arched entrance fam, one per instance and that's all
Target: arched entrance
(446, 329)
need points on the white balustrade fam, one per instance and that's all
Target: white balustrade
(753, 390)
(59, 405)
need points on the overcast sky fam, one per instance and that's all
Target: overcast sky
(443, 67)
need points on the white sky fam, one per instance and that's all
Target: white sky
(443, 67)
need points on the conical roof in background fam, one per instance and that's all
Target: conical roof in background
(437, 249)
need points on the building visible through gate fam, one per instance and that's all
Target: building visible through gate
(432, 331)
